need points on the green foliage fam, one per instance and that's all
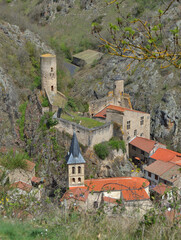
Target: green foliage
(21, 120)
(36, 82)
(71, 104)
(117, 144)
(47, 121)
(60, 47)
(101, 150)
(13, 160)
(45, 102)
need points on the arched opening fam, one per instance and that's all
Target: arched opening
(51, 88)
(73, 180)
(79, 180)
(51, 69)
(73, 170)
(79, 169)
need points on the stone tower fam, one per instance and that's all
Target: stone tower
(48, 73)
(118, 87)
(75, 162)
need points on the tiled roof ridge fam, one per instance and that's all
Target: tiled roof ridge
(124, 109)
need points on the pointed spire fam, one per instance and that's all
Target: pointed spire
(74, 156)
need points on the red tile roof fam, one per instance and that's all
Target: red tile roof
(116, 184)
(161, 188)
(21, 185)
(133, 188)
(102, 113)
(167, 155)
(144, 144)
(30, 165)
(36, 179)
(77, 193)
(159, 167)
(133, 195)
(110, 200)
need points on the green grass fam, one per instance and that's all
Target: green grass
(83, 121)
(13, 160)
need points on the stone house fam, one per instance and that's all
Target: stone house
(92, 193)
(128, 123)
(116, 97)
(140, 150)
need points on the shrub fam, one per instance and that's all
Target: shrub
(13, 160)
(47, 121)
(101, 150)
(45, 102)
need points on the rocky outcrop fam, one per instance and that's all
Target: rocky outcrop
(8, 110)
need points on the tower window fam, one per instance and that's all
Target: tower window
(79, 180)
(79, 169)
(51, 69)
(51, 88)
(73, 170)
(73, 180)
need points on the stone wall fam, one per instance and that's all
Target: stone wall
(86, 136)
(21, 175)
(96, 106)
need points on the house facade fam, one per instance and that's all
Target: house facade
(140, 150)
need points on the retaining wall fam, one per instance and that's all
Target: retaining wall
(87, 137)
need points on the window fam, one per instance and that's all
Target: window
(135, 132)
(73, 180)
(134, 148)
(51, 88)
(149, 174)
(79, 169)
(128, 124)
(51, 69)
(73, 170)
(141, 135)
(79, 180)
(128, 138)
(142, 152)
(96, 204)
(156, 177)
(142, 121)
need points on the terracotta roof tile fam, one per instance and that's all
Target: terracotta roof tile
(166, 155)
(77, 193)
(36, 179)
(144, 144)
(110, 200)
(120, 183)
(102, 113)
(161, 188)
(21, 185)
(30, 165)
(159, 167)
(133, 195)
(172, 174)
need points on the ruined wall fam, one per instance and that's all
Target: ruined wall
(86, 136)
(97, 105)
(21, 175)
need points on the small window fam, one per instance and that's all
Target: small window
(156, 177)
(142, 121)
(128, 124)
(134, 148)
(79, 180)
(95, 204)
(142, 152)
(149, 174)
(73, 170)
(51, 69)
(128, 138)
(79, 169)
(135, 132)
(141, 135)
(51, 88)
(73, 180)
(165, 182)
